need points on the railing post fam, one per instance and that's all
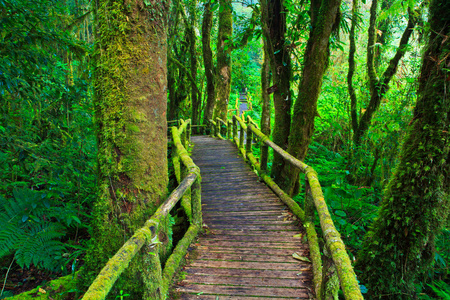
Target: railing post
(264, 156)
(248, 145)
(212, 128)
(315, 254)
(218, 128)
(152, 273)
(229, 125)
(235, 135)
(241, 136)
(188, 134)
(196, 202)
(183, 137)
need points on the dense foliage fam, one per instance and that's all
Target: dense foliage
(47, 141)
(48, 149)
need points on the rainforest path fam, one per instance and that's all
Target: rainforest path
(246, 251)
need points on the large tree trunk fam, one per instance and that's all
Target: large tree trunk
(315, 63)
(274, 29)
(224, 47)
(265, 82)
(265, 97)
(195, 95)
(399, 248)
(130, 104)
(208, 62)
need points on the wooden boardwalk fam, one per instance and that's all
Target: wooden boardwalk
(246, 252)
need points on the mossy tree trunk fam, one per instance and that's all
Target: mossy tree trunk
(274, 29)
(265, 99)
(210, 71)
(265, 82)
(195, 95)
(399, 248)
(324, 17)
(224, 47)
(378, 86)
(179, 76)
(130, 83)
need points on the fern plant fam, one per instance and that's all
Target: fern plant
(32, 228)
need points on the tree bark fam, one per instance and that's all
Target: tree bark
(274, 30)
(130, 100)
(305, 109)
(265, 82)
(224, 47)
(195, 95)
(208, 62)
(379, 86)
(265, 97)
(399, 248)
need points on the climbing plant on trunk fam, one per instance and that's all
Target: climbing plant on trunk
(224, 47)
(130, 105)
(210, 71)
(378, 85)
(324, 17)
(273, 22)
(399, 248)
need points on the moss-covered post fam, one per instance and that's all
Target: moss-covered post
(130, 100)
(196, 202)
(229, 127)
(314, 250)
(218, 128)
(241, 136)
(153, 280)
(248, 145)
(235, 130)
(188, 134)
(399, 248)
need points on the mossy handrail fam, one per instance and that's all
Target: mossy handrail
(314, 200)
(148, 234)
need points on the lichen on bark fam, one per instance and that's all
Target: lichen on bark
(399, 248)
(130, 110)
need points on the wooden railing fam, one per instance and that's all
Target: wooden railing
(188, 189)
(331, 268)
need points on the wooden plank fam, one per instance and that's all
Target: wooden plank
(224, 264)
(251, 250)
(247, 257)
(244, 291)
(251, 238)
(268, 227)
(230, 232)
(247, 281)
(247, 213)
(244, 223)
(292, 274)
(226, 297)
(291, 245)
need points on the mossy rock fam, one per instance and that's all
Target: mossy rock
(62, 288)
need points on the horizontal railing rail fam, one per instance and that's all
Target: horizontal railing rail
(189, 178)
(335, 260)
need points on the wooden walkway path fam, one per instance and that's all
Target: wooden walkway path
(246, 253)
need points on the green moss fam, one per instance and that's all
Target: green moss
(58, 289)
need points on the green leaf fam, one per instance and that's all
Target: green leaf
(299, 257)
(340, 213)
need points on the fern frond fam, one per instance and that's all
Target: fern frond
(10, 234)
(40, 246)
